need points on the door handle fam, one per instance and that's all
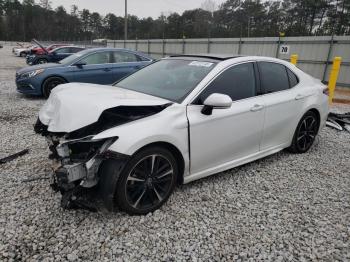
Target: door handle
(299, 96)
(107, 69)
(256, 108)
(137, 67)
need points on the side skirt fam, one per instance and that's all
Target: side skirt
(234, 163)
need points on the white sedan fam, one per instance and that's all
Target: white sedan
(177, 120)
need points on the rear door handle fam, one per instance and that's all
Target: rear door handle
(299, 96)
(256, 108)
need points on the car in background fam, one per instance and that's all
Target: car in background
(97, 66)
(40, 50)
(175, 121)
(54, 55)
(24, 51)
(19, 45)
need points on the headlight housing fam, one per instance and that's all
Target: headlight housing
(32, 73)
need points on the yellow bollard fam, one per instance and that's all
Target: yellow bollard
(294, 59)
(333, 77)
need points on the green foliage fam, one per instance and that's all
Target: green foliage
(22, 21)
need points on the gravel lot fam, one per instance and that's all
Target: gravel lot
(283, 208)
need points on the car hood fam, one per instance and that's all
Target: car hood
(76, 105)
(35, 67)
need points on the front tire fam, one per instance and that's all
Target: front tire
(50, 83)
(146, 181)
(42, 61)
(305, 133)
(23, 54)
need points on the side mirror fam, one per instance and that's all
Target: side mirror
(219, 101)
(80, 64)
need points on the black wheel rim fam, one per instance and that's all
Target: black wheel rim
(149, 182)
(307, 132)
(51, 85)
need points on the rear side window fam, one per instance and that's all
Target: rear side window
(75, 49)
(124, 57)
(273, 77)
(238, 82)
(293, 80)
(63, 50)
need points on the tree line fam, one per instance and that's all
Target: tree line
(22, 21)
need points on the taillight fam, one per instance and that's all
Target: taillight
(326, 91)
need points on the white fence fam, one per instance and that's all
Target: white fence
(315, 53)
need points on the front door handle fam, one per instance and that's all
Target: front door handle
(107, 69)
(256, 108)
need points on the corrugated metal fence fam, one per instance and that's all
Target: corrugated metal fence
(315, 53)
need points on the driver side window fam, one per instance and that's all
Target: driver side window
(238, 82)
(97, 58)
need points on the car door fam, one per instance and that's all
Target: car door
(125, 63)
(94, 68)
(282, 104)
(227, 134)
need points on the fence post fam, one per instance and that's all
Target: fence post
(208, 47)
(333, 77)
(239, 45)
(136, 44)
(148, 47)
(278, 45)
(183, 45)
(124, 43)
(114, 43)
(330, 49)
(294, 59)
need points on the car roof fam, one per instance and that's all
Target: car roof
(118, 49)
(218, 57)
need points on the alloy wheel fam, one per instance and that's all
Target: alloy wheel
(149, 182)
(307, 132)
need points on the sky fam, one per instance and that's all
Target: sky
(141, 8)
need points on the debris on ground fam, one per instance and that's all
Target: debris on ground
(14, 156)
(339, 121)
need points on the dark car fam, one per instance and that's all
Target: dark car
(99, 66)
(53, 56)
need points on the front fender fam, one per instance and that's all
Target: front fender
(169, 126)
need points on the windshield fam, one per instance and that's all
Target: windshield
(70, 59)
(172, 79)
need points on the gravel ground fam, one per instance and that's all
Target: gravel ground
(282, 208)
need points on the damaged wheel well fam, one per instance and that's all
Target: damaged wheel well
(177, 154)
(314, 110)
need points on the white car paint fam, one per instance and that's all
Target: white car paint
(18, 51)
(81, 104)
(250, 129)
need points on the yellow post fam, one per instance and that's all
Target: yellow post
(294, 59)
(333, 77)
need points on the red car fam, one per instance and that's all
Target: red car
(41, 51)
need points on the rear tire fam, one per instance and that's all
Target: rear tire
(145, 183)
(50, 83)
(305, 133)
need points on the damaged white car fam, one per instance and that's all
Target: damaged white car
(177, 120)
